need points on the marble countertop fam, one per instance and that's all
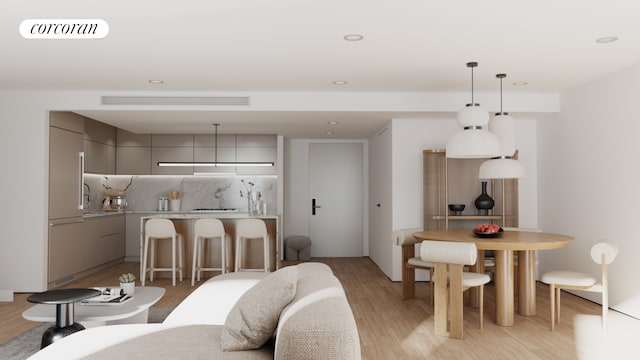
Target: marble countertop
(179, 214)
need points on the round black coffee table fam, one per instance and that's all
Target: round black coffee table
(64, 300)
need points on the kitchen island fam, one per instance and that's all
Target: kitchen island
(184, 223)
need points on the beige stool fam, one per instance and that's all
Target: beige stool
(154, 230)
(208, 229)
(251, 229)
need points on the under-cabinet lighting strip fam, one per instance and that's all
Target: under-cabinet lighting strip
(214, 164)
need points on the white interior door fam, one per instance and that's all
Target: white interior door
(336, 185)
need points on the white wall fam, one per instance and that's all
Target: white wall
(590, 181)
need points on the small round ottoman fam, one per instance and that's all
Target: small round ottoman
(297, 247)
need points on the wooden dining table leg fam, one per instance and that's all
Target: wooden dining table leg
(527, 282)
(504, 287)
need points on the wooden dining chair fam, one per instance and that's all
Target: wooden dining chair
(602, 253)
(410, 262)
(450, 281)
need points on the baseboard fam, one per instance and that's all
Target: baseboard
(6, 295)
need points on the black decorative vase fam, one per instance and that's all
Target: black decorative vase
(484, 202)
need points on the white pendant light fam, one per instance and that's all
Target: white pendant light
(474, 140)
(215, 163)
(503, 166)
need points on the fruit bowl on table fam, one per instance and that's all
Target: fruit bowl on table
(488, 231)
(488, 234)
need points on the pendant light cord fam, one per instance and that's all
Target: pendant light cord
(500, 95)
(472, 102)
(501, 76)
(215, 144)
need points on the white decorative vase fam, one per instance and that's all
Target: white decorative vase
(129, 288)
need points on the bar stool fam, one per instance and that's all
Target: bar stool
(251, 229)
(155, 229)
(208, 229)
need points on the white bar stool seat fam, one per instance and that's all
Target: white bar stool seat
(209, 229)
(154, 230)
(251, 229)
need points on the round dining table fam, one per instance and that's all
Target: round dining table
(521, 242)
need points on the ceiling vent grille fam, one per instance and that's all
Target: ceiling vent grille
(175, 100)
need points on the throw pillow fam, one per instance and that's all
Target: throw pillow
(253, 319)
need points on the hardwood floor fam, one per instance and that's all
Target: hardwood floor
(391, 328)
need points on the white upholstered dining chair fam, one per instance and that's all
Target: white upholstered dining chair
(602, 253)
(450, 281)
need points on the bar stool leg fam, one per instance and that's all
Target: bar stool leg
(194, 261)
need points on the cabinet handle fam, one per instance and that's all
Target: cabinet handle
(81, 175)
(65, 222)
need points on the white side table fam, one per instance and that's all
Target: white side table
(134, 311)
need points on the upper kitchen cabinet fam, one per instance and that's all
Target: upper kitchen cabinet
(257, 148)
(99, 147)
(133, 153)
(140, 154)
(173, 148)
(65, 164)
(207, 149)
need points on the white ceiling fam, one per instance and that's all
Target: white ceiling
(294, 46)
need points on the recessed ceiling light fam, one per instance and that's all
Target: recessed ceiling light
(156, 82)
(339, 82)
(520, 83)
(353, 37)
(333, 123)
(329, 133)
(606, 39)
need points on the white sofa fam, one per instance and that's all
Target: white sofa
(316, 324)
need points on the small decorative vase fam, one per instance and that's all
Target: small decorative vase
(128, 288)
(484, 202)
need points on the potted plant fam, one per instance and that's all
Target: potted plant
(128, 283)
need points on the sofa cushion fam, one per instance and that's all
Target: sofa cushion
(253, 319)
(184, 342)
(212, 301)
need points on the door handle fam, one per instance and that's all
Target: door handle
(314, 206)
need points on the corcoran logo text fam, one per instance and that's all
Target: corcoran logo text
(64, 28)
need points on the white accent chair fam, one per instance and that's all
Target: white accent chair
(451, 281)
(154, 230)
(404, 238)
(209, 229)
(602, 253)
(251, 229)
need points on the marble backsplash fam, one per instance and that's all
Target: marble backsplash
(143, 191)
